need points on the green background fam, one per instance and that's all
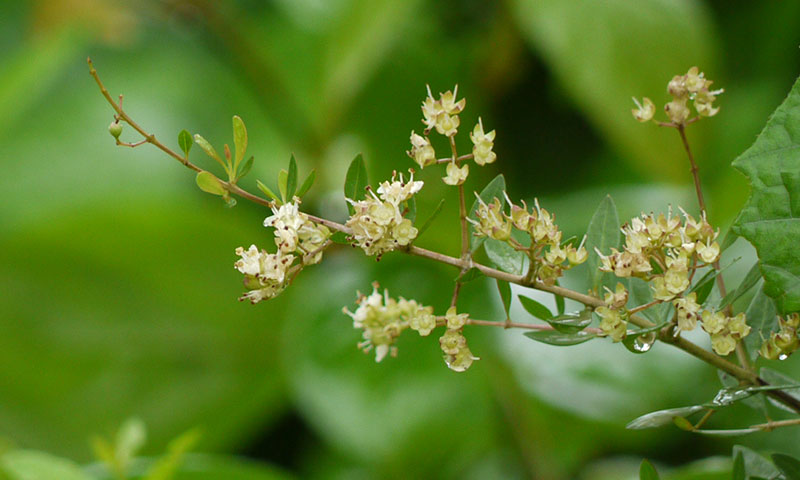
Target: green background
(117, 292)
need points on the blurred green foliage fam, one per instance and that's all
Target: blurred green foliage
(118, 296)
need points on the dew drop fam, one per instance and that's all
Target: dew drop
(783, 356)
(643, 343)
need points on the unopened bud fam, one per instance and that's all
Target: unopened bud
(115, 129)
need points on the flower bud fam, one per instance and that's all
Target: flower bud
(115, 129)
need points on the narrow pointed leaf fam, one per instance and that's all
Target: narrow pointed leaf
(203, 143)
(493, 189)
(561, 305)
(749, 281)
(209, 183)
(307, 183)
(662, 417)
(267, 191)
(185, 142)
(603, 234)
(738, 467)
(559, 339)
(283, 182)
(355, 183)
(430, 219)
(239, 142)
(505, 295)
(291, 179)
(704, 286)
(248, 165)
(647, 471)
(789, 466)
(762, 316)
(535, 308)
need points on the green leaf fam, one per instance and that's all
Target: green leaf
(738, 467)
(33, 465)
(430, 219)
(266, 190)
(789, 466)
(411, 213)
(339, 237)
(356, 182)
(203, 143)
(749, 281)
(755, 464)
(571, 322)
(470, 275)
(729, 240)
(504, 257)
(647, 471)
(245, 168)
(185, 141)
(239, 142)
(559, 339)
(703, 286)
(773, 377)
(535, 308)
(291, 180)
(757, 401)
(561, 305)
(762, 317)
(216, 467)
(505, 295)
(307, 183)
(104, 452)
(662, 417)
(130, 439)
(771, 218)
(166, 466)
(283, 184)
(683, 424)
(209, 183)
(603, 234)
(493, 189)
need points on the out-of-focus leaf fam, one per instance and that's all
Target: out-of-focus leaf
(789, 466)
(738, 467)
(770, 219)
(267, 191)
(601, 68)
(535, 308)
(683, 423)
(504, 257)
(647, 471)
(130, 438)
(185, 142)
(291, 179)
(239, 142)
(208, 467)
(559, 339)
(307, 183)
(763, 319)
(662, 417)
(602, 234)
(754, 464)
(777, 378)
(430, 219)
(33, 465)
(493, 189)
(505, 295)
(209, 183)
(355, 183)
(165, 467)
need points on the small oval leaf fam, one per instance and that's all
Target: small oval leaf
(209, 183)
(185, 141)
(535, 308)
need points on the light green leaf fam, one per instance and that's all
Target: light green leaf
(283, 183)
(559, 339)
(603, 234)
(493, 189)
(647, 471)
(267, 191)
(209, 183)
(763, 319)
(771, 218)
(307, 183)
(166, 466)
(535, 308)
(239, 142)
(355, 183)
(216, 467)
(185, 141)
(662, 417)
(245, 168)
(291, 179)
(33, 465)
(504, 257)
(130, 438)
(203, 143)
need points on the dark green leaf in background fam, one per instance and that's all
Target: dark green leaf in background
(602, 234)
(535, 308)
(291, 179)
(647, 471)
(355, 182)
(185, 141)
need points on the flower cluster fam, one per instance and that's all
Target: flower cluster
(483, 143)
(725, 331)
(378, 225)
(442, 114)
(457, 354)
(266, 274)
(549, 257)
(383, 319)
(613, 315)
(783, 342)
(694, 87)
(676, 250)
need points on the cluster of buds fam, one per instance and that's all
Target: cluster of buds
(613, 315)
(266, 274)
(457, 355)
(725, 331)
(383, 319)
(378, 225)
(549, 258)
(784, 342)
(295, 233)
(676, 248)
(694, 87)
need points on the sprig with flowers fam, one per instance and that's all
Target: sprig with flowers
(677, 256)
